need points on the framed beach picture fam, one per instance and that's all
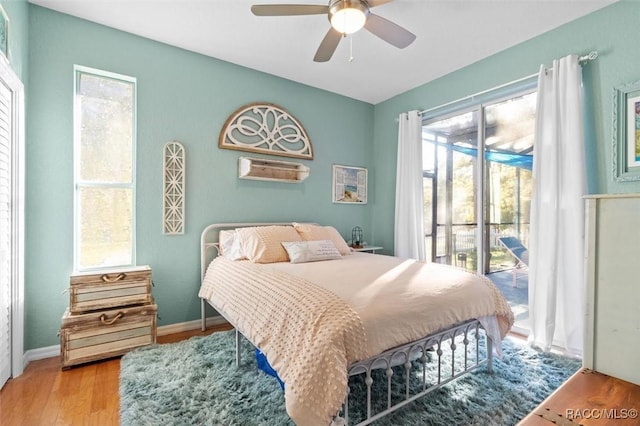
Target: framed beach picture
(4, 33)
(626, 132)
(349, 184)
(633, 131)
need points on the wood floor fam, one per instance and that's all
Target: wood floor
(82, 395)
(589, 398)
(89, 394)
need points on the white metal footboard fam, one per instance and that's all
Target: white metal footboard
(466, 335)
(458, 343)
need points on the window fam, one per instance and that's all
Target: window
(104, 169)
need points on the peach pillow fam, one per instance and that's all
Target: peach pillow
(263, 244)
(311, 232)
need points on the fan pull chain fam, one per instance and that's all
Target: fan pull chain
(351, 49)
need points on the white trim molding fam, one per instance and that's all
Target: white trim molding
(17, 182)
(189, 325)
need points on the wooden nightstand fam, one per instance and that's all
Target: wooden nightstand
(368, 249)
(109, 314)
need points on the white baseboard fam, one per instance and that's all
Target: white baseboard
(41, 353)
(189, 325)
(53, 351)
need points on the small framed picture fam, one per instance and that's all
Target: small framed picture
(626, 132)
(349, 184)
(4, 33)
(633, 132)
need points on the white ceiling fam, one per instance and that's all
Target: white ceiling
(450, 35)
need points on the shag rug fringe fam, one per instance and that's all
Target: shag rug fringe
(196, 382)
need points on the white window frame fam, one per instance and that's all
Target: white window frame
(77, 71)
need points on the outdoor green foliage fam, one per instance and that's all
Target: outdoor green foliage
(499, 257)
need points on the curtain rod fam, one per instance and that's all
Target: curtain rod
(582, 60)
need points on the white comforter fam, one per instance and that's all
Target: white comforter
(333, 313)
(400, 300)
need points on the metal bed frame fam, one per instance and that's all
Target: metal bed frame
(466, 333)
(441, 346)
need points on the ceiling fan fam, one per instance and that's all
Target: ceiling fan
(346, 17)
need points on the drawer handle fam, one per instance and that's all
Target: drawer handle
(118, 277)
(103, 318)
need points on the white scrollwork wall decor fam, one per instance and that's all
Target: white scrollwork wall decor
(173, 172)
(268, 129)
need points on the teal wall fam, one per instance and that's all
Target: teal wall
(612, 31)
(182, 96)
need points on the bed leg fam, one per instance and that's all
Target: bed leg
(203, 315)
(489, 355)
(238, 336)
(346, 408)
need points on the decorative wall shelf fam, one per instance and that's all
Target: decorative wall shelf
(271, 170)
(173, 175)
(267, 129)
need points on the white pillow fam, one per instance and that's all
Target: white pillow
(311, 251)
(230, 245)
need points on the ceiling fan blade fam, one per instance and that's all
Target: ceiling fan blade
(328, 45)
(289, 9)
(388, 31)
(374, 3)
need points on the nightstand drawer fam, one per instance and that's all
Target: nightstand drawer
(91, 291)
(104, 334)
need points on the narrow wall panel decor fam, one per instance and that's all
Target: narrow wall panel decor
(268, 129)
(173, 173)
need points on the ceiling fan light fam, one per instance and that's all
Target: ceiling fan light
(348, 16)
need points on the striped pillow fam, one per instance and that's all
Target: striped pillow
(311, 251)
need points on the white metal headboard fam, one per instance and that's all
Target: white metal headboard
(209, 240)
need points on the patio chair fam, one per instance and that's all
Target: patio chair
(517, 250)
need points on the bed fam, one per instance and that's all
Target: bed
(321, 313)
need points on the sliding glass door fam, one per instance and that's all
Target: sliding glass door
(450, 175)
(477, 183)
(508, 143)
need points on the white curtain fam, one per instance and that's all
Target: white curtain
(409, 223)
(556, 287)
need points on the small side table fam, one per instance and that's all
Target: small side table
(368, 249)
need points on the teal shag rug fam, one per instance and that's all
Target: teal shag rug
(196, 382)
